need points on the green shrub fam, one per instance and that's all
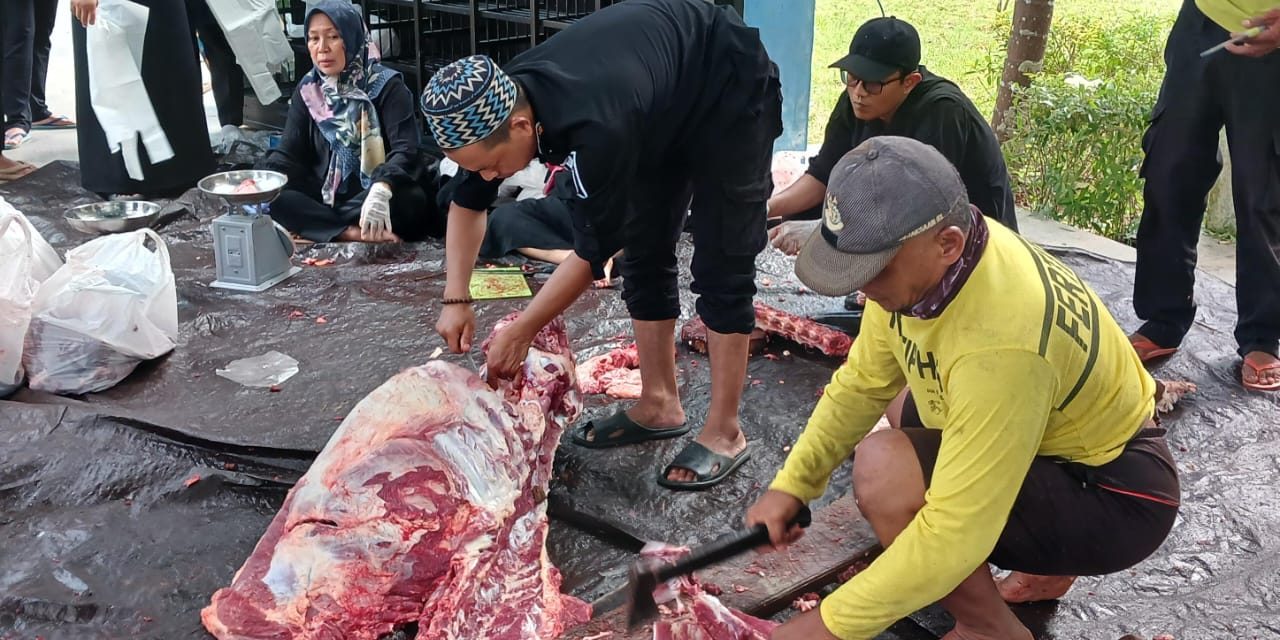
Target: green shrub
(1075, 152)
(1075, 135)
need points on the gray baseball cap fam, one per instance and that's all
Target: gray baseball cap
(883, 192)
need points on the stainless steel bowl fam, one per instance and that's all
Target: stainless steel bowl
(112, 217)
(223, 185)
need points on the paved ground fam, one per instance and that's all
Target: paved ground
(1216, 258)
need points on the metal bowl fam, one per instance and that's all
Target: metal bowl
(223, 185)
(112, 217)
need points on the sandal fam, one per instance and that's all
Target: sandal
(13, 138)
(618, 430)
(1148, 350)
(709, 467)
(1258, 370)
(54, 122)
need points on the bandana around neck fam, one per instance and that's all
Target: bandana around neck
(935, 302)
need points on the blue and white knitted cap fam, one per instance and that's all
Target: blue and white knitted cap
(467, 100)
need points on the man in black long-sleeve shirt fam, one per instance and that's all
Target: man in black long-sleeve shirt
(645, 104)
(888, 92)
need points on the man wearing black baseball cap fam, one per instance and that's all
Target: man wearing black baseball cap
(888, 92)
(1027, 438)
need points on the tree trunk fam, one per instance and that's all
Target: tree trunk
(1031, 20)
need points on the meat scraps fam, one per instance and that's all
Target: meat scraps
(426, 506)
(777, 322)
(689, 612)
(806, 602)
(615, 373)
(1169, 392)
(249, 185)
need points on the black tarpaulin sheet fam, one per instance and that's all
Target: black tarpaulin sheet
(104, 539)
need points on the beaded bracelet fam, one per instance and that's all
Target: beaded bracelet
(466, 300)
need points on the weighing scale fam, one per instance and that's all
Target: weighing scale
(251, 251)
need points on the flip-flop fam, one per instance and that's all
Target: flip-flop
(618, 430)
(702, 462)
(54, 122)
(14, 138)
(1148, 350)
(1257, 375)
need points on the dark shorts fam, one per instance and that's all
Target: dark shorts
(1071, 519)
(726, 195)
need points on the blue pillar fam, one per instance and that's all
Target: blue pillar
(786, 27)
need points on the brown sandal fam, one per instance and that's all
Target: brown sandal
(1148, 350)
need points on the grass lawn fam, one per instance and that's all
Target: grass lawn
(957, 41)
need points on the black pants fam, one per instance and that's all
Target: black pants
(1199, 96)
(46, 14)
(224, 71)
(17, 35)
(536, 223)
(729, 191)
(413, 218)
(1070, 519)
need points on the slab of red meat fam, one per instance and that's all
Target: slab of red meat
(802, 330)
(773, 321)
(690, 613)
(615, 373)
(427, 505)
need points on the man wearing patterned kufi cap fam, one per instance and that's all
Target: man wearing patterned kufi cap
(646, 105)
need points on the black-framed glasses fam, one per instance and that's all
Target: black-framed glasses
(872, 88)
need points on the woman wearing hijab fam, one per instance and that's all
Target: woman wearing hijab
(350, 144)
(171, 75)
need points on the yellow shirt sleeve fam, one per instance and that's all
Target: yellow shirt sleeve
(849, 407)
(999, 406)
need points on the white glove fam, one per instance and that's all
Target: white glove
(789, 237)
(375, 215)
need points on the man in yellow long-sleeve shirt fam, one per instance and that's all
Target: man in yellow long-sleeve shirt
(1027, 438)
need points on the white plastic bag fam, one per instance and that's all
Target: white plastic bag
(25, 261)
(256, 36)
(114, 48)
(111, 306)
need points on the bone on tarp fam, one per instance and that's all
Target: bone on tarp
(776, 322)
(440, 483)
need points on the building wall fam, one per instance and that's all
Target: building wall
(786, 27)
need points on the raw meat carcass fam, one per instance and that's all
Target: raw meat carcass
(427, 506)
(773, 321)
(688, 612)
(615, 373)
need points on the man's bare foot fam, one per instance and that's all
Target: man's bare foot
(1026, 587)
(1260, 371)
(720, 441)
(961, 632)
(353, 234)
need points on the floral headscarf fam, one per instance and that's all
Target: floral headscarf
(343, 107)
